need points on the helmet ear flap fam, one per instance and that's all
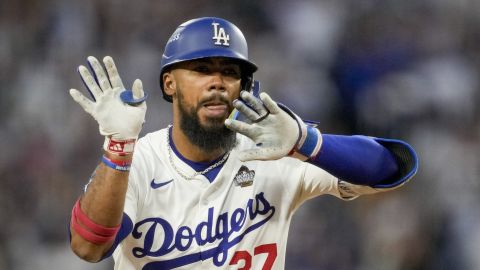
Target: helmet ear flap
(247, 83)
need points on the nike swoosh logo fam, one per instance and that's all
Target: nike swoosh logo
(155, 185)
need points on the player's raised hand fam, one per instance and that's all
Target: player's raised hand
(276, 130)
(120, 113)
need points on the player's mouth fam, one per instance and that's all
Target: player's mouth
(216, 109)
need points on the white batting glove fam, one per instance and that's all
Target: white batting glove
(120, 113)
(277, 131)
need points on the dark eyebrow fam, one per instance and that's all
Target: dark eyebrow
(223, 61)
(231, 63)
(227, 61)
(204, 60)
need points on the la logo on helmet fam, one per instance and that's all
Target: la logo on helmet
(221, 38)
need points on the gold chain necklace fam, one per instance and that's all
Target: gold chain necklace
(170, 158)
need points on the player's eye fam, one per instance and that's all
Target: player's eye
(202, 69)
(231, 72)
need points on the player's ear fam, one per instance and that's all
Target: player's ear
(169, 83)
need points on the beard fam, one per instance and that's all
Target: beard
(211, 136)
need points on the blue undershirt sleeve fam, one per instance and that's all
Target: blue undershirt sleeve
(125, 229)
(357, 159)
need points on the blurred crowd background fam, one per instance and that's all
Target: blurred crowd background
(399, 69)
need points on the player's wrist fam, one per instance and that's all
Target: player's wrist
(309, 138)
(118, 154)
(309, 143)
(117, 164)
(124, 158)
(119, 147)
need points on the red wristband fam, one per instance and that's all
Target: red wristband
(118, 165)
(88, 235)
(91, 231)
(119, 162)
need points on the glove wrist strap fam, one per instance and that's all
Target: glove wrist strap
(310, 146)
(309, 138)
(119, 147)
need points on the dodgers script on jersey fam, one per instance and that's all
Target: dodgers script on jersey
(238, 221)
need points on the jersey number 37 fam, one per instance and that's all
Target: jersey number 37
(246, 257)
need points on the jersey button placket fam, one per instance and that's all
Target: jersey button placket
(202, 216)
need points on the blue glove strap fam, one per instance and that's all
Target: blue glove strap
(310, 146)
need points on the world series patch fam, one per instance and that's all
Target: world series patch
(244, 177)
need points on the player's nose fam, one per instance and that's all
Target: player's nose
(216, 82)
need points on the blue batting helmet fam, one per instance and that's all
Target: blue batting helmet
(207, 37)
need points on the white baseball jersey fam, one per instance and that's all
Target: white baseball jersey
(238, 221)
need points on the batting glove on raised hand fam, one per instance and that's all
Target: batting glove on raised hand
(275, 129)
(120, 113)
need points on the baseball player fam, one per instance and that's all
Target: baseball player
(209, 191)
